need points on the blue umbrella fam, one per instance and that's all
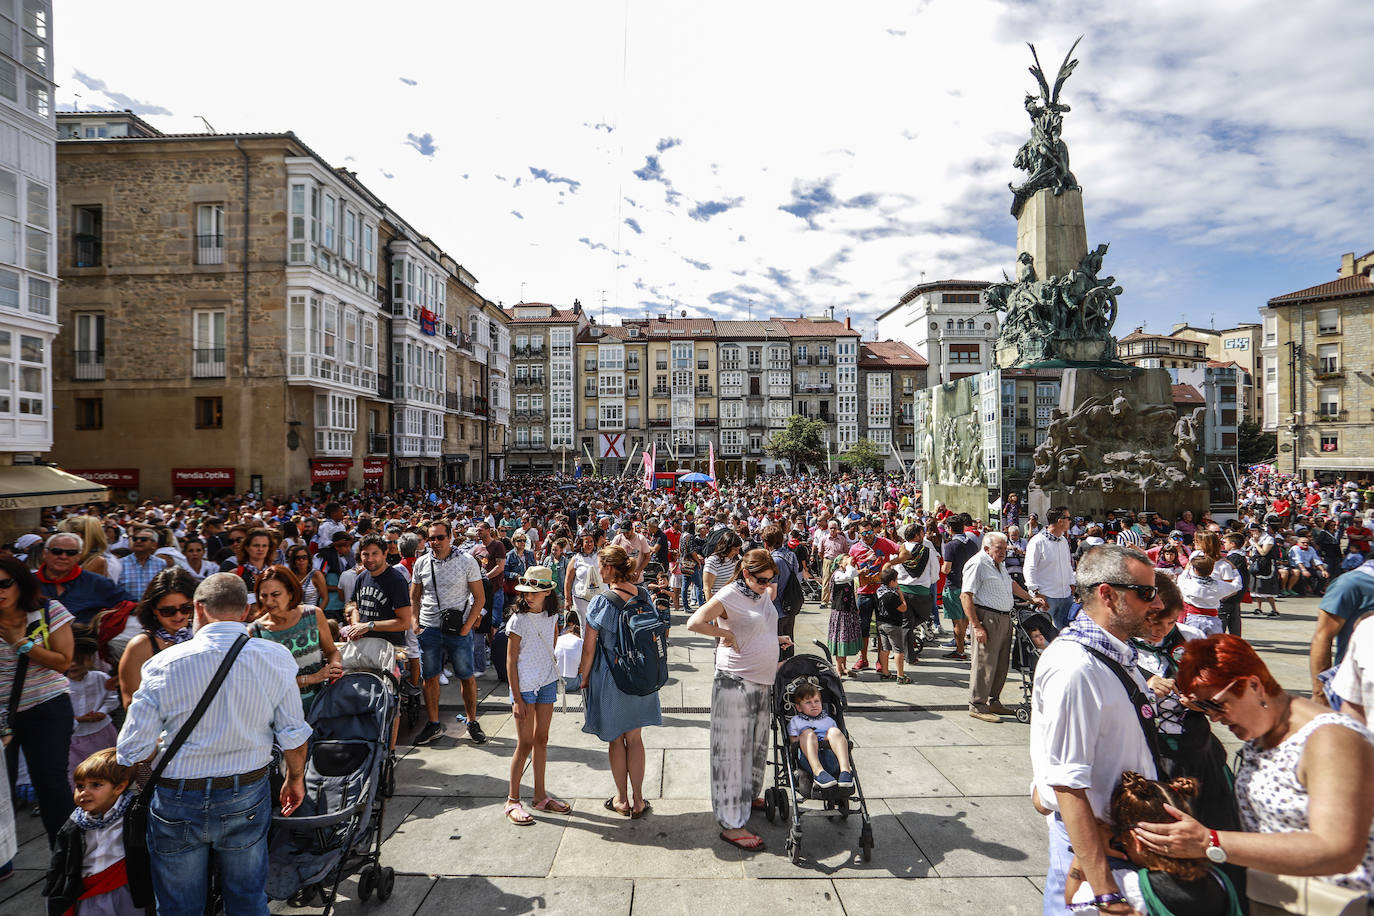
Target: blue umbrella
(696, 478)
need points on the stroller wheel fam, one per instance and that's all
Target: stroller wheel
(386, 882)
(770, 804)
(793, 851)
(1023, 714)
(367, 881)
(782, 804)
(843, 805)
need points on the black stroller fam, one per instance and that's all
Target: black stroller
(792, 785)
(349, 773)
(1033, 631)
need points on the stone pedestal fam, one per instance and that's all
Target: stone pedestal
(1053, 231)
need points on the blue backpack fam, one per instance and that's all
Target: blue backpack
(636, 650)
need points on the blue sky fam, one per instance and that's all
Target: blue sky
(717, 157)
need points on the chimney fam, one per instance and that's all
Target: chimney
(847, 325)
(662, 317)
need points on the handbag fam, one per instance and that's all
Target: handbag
(137, 865)
(1271, 895)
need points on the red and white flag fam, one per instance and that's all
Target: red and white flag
(711, 469)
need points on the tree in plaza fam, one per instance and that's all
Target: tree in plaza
(800, 443)
(864, 455)
(1254, 445)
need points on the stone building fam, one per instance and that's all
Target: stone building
(890, 374)
(825, 358)
(1238, 346)
(1322, 381)
(1029, 398)
(544, 367)
(755, 362)
(681, 413)
(944, 321)
(301, 335)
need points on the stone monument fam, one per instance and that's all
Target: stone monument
(1115, 440)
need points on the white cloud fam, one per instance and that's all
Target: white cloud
(1207, 137)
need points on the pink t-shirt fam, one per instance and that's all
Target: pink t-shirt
(755, 625)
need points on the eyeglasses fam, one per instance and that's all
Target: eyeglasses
(1144, 592)
(142, 539)
(231, 540)
(174, 610)
(1216, 705)
(6, 583)
(63, 551)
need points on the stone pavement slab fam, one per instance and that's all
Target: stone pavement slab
(694, 897)
(976, 837)
(679, 837)
(471, 836)
(830, 847)
(406, 896)
(983, 769)
(493, 896)
(985, 896)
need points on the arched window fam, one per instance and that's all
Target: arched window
(950, 324)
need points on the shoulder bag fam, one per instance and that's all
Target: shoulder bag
(450, 618)
(1272, 895)
(136, 862)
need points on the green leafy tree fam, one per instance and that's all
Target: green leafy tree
(1254, 445)
(801, 443)
(864, 455)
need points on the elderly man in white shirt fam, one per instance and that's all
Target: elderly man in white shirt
(1086, 729)
(1049, 565)
(987, 597)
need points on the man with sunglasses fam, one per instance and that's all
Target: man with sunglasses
(872, 554)
(81, 592)
(140, 566)
(1086, 729)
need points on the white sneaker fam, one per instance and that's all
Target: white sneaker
(443, 679)
(447, 673)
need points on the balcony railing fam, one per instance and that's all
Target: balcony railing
(1327, 416)
(1330, 372)
(755, 451)
(631, 365)
(813, 388)
(703, 392)
(207, 363)
(707, 421)
(660, 391)
(824, 360)
(90, 366)
(209, 249)
(659, 421)
(377, 443)
(801, 359)
(703, 364)
(452, 400)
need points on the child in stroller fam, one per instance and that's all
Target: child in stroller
(821, 747)
(1033, 632)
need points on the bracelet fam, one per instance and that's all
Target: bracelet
(1102, 901)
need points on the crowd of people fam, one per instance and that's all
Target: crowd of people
(115, 620)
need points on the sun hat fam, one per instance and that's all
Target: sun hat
(536, 579)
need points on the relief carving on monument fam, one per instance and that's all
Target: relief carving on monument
(961, 452)
(1109, 445)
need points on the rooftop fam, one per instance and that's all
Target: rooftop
(813, 327)
(934, 286)
(1345, 287)
(1187, 395)
(877, 354)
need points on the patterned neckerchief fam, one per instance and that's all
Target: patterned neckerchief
(180, 636)
(1086, 632)
(89, 822)
(745, 589)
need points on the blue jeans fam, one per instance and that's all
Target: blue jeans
(546, 695)
(1059, 610)
(185, 825)
(436, 644)
(692, 579)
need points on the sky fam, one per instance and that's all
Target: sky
(737, 159)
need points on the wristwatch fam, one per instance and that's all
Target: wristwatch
(24, 647)
(1214, 850)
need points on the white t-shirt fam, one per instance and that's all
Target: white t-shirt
(1354, 681)
(568, 652)
(538, 634)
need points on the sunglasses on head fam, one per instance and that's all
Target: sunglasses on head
(63, 551)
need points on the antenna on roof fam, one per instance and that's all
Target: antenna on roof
(751, 309)
(1214, 320)
(603, 306)
(208, 128)
(923, 276)
(522, 290)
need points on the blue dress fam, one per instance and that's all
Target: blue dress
(610, 712)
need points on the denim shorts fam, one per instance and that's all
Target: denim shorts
(828, 760)
(435, 645)
(548, 694)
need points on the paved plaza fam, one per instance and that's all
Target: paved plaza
(953, 827)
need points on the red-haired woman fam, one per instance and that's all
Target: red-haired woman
(1303, 786)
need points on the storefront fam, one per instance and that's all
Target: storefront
(122, 482)
(374, 472)
(330, 475)
(187, 481)
(455, 468)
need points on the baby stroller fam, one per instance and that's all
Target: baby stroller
(1033, 631)
(792, 785)
(349, 773)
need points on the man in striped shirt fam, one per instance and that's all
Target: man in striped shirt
(215, 793)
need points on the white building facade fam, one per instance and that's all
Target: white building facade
(944, 321)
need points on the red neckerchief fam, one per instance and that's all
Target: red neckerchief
(43, 576)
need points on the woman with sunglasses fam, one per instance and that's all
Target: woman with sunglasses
(302, 628)
(742, 617)
(164, 615)
(1303, 787)
(312, 581)
(36, 646)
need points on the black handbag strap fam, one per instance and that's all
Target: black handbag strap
(196, 714)
(1139, 702)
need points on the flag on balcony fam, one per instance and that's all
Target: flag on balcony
(711, 468)
(428, 322)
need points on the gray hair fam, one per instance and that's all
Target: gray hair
(69, 535)
(1011, 528)
(408, 544)
(994, 538)
(224, 595)
(1105, 563)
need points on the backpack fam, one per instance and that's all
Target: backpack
(636, 651)
(791, 597)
